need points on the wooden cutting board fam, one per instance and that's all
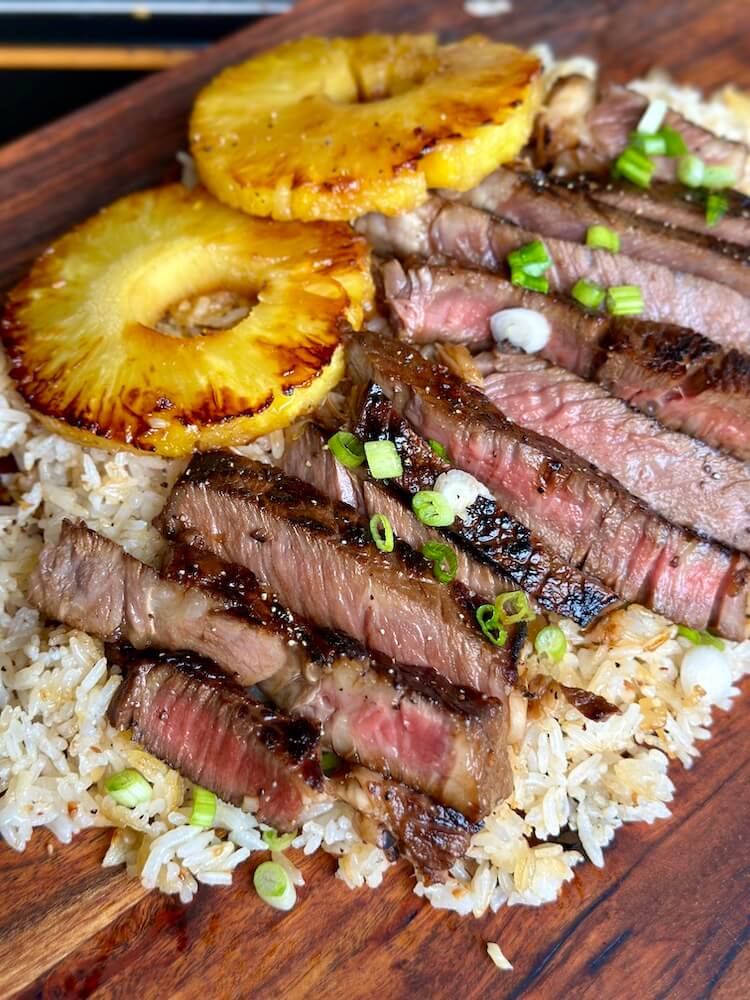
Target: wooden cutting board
(668, 916)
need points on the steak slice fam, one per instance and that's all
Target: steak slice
(90, 583)
(407, 722)
(566, 209)
(582, 516)
(318, 556)
(186, 712)
(487, 531)
(682, 479)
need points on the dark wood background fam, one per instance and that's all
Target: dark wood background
(668, 918)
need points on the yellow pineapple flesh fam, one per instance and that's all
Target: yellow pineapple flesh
(92, 353)
(333, 128)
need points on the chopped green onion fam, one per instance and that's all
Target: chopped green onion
(514, 607)
(383, 461)
(444, 560)
(204, 808)
(530, 281)
(439, 449)
(690, 170)
(532, 259)
(432, 508)
(273, 885)
(330, 762)
(382, 532)
(601, 238)
(624, 300)
(717, 207)
(347, 449)
(701, 638)
(653, 116)
(551, 642)
(128, 788)
(634, 166)
(588, 293)
(652, 144)
(276, 842)
(491, 625)
(675, 144)
(718, 176)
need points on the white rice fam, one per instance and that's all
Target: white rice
(56, 746)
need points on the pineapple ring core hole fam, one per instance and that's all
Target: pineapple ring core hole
(206, 313)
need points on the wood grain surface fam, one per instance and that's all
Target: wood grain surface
(667, 918)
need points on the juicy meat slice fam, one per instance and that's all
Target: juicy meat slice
(185, 711)
(684, 480)
(319, 558)
(90, 583)
(566, 209)
(585, 518)
(487, 531)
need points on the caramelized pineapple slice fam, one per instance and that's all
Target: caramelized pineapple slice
(93, 332)
(333, 128)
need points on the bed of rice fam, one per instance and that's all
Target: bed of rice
(56, 745)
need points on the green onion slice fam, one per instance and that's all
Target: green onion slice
(717, 207)
(551, 642)
(128, 788)
(274, 886)
(330, 762)
(432, 508)
(702, 638)
(675, 144)
(530, 281)
(491, 625)
(532, 259)
(588, 293)
(601, 238)
(514, 607)
(444, 560)
(439, 449)
(278, 842)
(653, 116)
(347, 449)
(204, 808)
(382, 532)
(690, 170)
(624, 300)
(718, 176)
(635, 167)
(383, 460)
(652, 144)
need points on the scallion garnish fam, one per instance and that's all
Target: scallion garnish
(551, 642)
(439, 449)
(347, 449)
(634, 166)
(675, 144)
(700, 638)
(432, 508)
(273, 885)
(530, 281)
(716, 176)
(601, 238)
(652, 144)
(278, 842)
(330, 762)
(128, 788)
(588, 293)
(624, 300)
(490, 624)
(383, 460)
(514, 607)
(204, 808)
(653, 116)
(382, 532)
(532, 259)
(444, 560)
(691, 170)
(717, 207)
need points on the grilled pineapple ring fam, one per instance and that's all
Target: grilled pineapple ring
(333, 128)
(85, 353)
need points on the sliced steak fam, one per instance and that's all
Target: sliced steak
(318, 556)
(585, 518)
(90, 583)
(565, 210)
(186, 712)
(487, 531)
(680, 478)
